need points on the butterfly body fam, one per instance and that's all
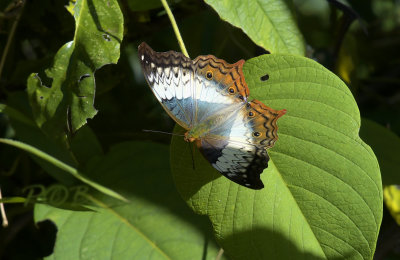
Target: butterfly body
(209, 98)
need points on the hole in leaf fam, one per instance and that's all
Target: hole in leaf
(107, 37)
(265, 77)
(84, 76)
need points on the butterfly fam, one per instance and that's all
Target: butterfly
(209, 98)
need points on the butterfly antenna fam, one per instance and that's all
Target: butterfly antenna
(192, 154)
(160, 132)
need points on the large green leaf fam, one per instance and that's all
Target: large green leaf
(155, 224)
(323, 191)
(68, 102)
(269, 23)
(386, 145)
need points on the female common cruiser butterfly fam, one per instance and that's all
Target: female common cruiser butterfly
(208, 97)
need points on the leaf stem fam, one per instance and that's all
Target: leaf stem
(74, 172)
(175, 27)
(220, 253)
(3, 212)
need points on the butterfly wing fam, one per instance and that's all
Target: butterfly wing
(170, 76)
(191, 91)
(208, 97)
(220, 87)
(238, 148)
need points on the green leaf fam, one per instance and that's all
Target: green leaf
(12, 200)
(85, 145)
(323, 191)
(155, 224)
(15, 114)
(386, 145)
(269, 23)
(66, 105)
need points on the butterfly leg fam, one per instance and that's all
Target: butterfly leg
(192, 149)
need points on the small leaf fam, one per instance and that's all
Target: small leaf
(269, 23)
(323, 191)
(155, 224)
(67, 104)
(391, 195)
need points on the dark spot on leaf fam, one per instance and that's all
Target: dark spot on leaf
(41, 97)
(265, 77)
(107, 37)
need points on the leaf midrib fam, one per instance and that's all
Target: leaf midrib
(131, 226)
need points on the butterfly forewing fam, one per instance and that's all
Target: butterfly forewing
(171, 78)
(219, 87)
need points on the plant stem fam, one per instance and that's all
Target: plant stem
(220, 253)
(175, 27)
(3, 212)
(10, 37)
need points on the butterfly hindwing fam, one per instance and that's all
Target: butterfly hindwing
(239, 162)
(238, 148)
